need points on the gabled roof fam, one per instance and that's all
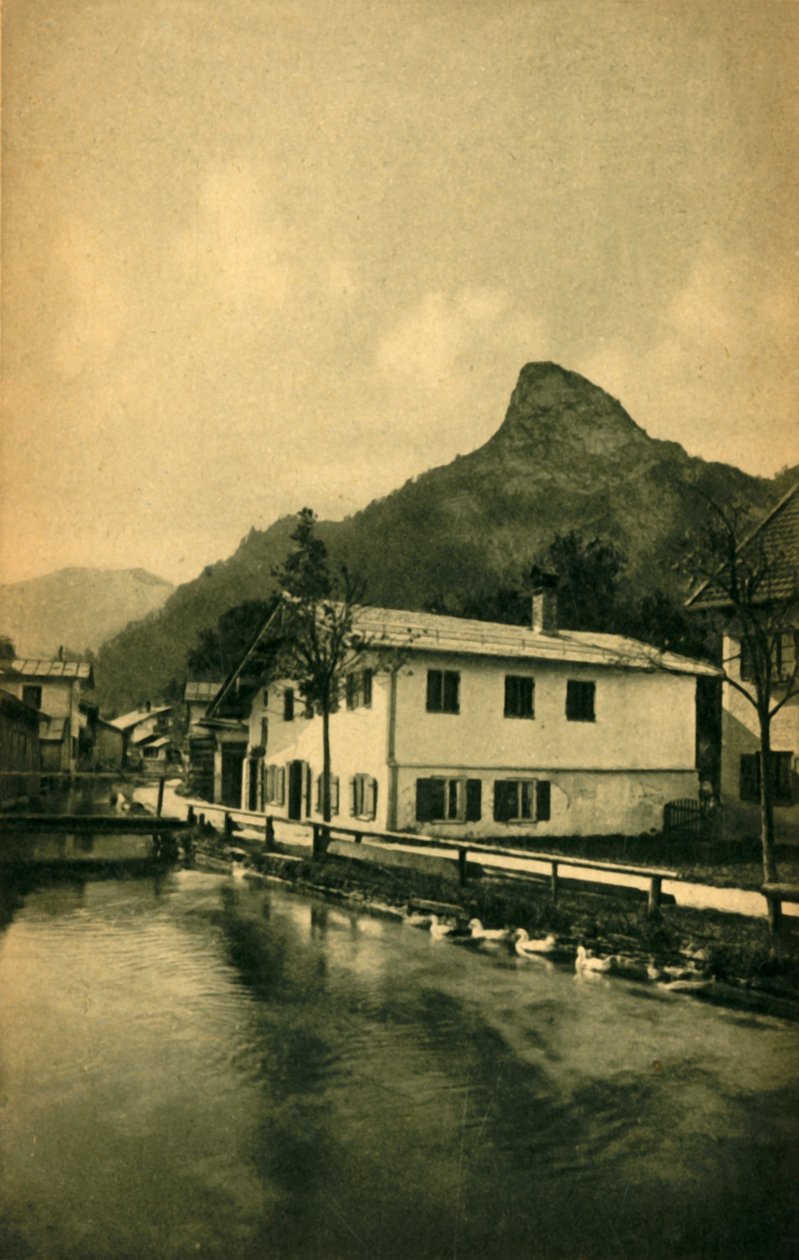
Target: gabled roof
(387, 629)
(127, 721)
(778, 537)
(384, 628)
(43, 669)
(196, 690)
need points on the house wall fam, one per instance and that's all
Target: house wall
(613, 774)
(739, 736)
(60, 699)
(19, 752)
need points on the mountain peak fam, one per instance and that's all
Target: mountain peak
(551, 406)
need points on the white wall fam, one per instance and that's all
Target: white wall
(643, 720)
(739, 735)
(611, 775)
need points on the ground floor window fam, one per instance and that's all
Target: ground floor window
(363, 796)
(334, 794)
(781, 788)
(275, 785)
(521, 800)
(448, 800)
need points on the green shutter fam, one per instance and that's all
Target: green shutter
(474, 800)
(504, 800)
(543, 798)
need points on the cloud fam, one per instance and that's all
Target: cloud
(93, 304)
(714, 364)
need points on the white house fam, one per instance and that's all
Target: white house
(53, 688)
(777, 537)
(470, 728)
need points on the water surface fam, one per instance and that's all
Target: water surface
(195, 1066)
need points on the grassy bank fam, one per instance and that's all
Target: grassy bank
(738, 951)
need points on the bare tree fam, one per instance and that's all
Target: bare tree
(749, 585)
(319, 641)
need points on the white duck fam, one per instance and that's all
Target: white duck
(529, 948)
(585, 962)
(439, 929)
(480, 933)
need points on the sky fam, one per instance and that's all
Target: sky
(258, 255)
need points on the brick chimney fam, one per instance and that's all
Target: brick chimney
(545, 601)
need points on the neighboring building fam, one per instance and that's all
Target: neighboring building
(19, 751)
(777, 539)
(198, 696)
(141, 725)
(109, 745)
(53, 688)
(469, 728)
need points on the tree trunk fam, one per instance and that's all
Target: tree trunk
(326, 762)
(766, 800)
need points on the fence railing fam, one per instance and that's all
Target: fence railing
(688, 818)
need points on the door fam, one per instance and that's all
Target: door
(232, 773)
(296, 789)
(253, 777)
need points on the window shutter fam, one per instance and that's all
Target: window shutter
(353, 796)
(474, 800)
(281, 785)
(542, 800)
(350, 686)
(308, 786)
(750, 777)
(423, 800)
(504, 800)
(451, 697)
(370, 798)
(434, 690)
(319, 794)
(367, 687)
(334, 794)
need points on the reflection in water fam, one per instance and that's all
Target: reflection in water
(197, 1066)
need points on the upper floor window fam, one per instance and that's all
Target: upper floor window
(443, 691)
(783, 658)
(580, 700)
(288, 704)
(519, 693)
(358, 688)
(33, 696)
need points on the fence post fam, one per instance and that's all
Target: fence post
(653, 900)
(190, 818)
(320, 840)
(269, 834)
(228, 826)
(462, 862)
(554, 881)
(160, 805)
(774, 905)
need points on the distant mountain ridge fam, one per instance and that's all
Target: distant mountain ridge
(78, 608)
(567, 456)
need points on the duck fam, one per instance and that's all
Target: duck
(668, 974)
(415, 919)
(480, 933)
(591, 962)
(697, 985)
(526, 947)
(439, 929)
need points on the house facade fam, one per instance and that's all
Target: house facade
(776, 538)
(19, 751)
(54, 689)
(468, 728)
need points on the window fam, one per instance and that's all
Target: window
(448, 800)
(519, 693)
(783, 658)
(443, 691)
(522, 800)
(32, 696)
(288, 704)
(580, 697)
(150, 752)
(334, 794)
(358, 688)
(781, 786)
(275, 785)
(363, 796)
(264, 732)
